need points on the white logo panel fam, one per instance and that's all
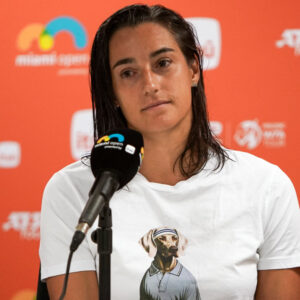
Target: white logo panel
(130, 149)
(209, 35)
(10, 154)
(81, 133)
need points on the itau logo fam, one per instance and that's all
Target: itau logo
(81, 133)
(250, 134)
(216, 127)
(290, 38)
(44, 36)
(209, 35)
(10, 154)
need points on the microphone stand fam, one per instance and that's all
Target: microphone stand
(102, 236)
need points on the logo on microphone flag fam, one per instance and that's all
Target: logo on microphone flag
(107, 138)
(112, 141)
(142, 155)
(130, 149)
(108, 142)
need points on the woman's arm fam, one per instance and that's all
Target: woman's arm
(81, 286)
(278, 284)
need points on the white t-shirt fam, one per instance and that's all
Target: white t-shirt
(222, 225)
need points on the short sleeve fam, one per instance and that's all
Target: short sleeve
(61, 206)
(280, 248)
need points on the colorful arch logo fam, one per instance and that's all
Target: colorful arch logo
(46, 34)
(106, 138)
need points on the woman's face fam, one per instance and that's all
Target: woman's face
(152, 79)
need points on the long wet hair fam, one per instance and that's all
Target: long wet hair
(201, 143)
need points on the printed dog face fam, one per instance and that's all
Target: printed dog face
(164, 240)
(167, 245)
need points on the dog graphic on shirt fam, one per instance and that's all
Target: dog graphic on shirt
(166, 278)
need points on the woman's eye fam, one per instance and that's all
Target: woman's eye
(127, 74)
(164, 63)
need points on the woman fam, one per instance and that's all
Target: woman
(234, 216)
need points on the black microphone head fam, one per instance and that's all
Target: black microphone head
(120, 151)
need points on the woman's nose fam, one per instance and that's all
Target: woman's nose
(150, 83)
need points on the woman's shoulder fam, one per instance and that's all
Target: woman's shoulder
(247, 166)
(248, 161)
(75, 174)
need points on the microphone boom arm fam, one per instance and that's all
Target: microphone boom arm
(101, 192)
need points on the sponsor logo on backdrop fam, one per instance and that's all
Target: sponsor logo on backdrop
(290, 38)
(250, 134)
(216, 127)
(25, 295)
(209, 35)
(10, 154)
(82, 139)
(44, 36)
(274, 134)
(24, 222)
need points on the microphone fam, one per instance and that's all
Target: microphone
(115, 160)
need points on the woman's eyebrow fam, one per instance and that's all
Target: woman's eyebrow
(123, 61)
(129, 60)
(161, 50)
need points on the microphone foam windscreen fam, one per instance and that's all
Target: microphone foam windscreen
(120, 151)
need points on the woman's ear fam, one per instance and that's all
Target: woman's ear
(195, 71)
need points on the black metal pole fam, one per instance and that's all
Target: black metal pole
(104, 241)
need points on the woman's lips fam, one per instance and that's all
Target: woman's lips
(155, 104)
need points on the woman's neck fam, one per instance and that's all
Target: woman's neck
(161, 164)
